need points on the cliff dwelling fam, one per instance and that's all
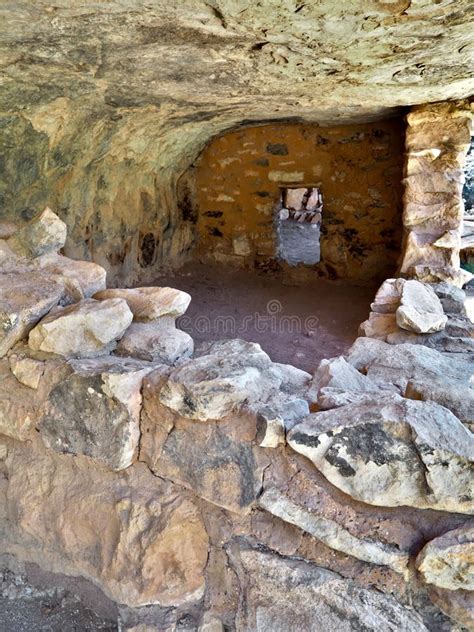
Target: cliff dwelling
(236, 316)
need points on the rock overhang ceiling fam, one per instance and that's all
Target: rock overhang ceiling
(239, 59)
(104, 105)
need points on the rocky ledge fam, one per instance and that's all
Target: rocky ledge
(219, 490)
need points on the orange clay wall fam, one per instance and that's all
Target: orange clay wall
(238, 178)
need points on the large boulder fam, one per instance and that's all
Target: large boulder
(229, 375)
(392, 453)
(290, 594)
(139, 538)
(420, 309)
(24, 299)
(44, 233)
(448, 561)
(86, 329)
(95, 411)
(158, 340)
(150, 303)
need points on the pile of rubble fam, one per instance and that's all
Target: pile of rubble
(226, 490)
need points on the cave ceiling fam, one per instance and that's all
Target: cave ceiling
(229, 61)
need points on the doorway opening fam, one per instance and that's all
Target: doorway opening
(298, 225)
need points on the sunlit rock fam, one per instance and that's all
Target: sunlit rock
(86, 329)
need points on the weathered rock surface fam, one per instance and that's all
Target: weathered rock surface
(216, 459)
(150, 303)
(139, 538)
(448, 561)
(280, 414)
(95, 411)
(420, 309)
(457, 604)
(24, 300)
(290, 594)
(156, 341)
(332, 533)
(392, 453)
(419, 372)
(338, 374)
(44, 233)
(81, 278)
(231, 374)
(85, 329)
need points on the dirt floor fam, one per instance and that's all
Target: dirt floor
(295, 325)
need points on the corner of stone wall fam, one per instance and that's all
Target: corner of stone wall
(437, 140)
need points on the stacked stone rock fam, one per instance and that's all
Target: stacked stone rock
(206, 490)
(438, 137)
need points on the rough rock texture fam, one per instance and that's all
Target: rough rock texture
(419, 373)
(140, 539)
(24, 300)
(152, 84)
(156, 341)
(392, 453)
(43, 234)
(85, 329)
(150, 303)
(437, 140)
(95, 411)
(319, 599)
(448, 561)
(420, 309)
(211, 386)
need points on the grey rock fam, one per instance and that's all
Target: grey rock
(332, 533)
(44, 233)
(293, 595)
(420, 309)
(448, 561)
(159, 341)
(442, 378)
(231, 374)
(392, 453)
(24, 299)
(452, 298)
(95, 411)
(86, 329)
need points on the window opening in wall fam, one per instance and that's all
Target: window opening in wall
(298, 225)
(467, 240)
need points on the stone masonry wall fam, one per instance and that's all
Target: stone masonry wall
(437, 140)
(358, 168)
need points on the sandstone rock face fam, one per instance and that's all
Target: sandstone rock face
(150, 303)
(88, 328)
(213, 385)
(139, 538)
(24, 300)
(448, 561)
(420, 309)
(156, 341)
(43, 234)
(287, 594)
(392, 453)
(96, 411)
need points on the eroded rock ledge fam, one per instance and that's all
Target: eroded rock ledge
(203, 486)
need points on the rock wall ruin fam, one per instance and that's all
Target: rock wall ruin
(237, 184)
